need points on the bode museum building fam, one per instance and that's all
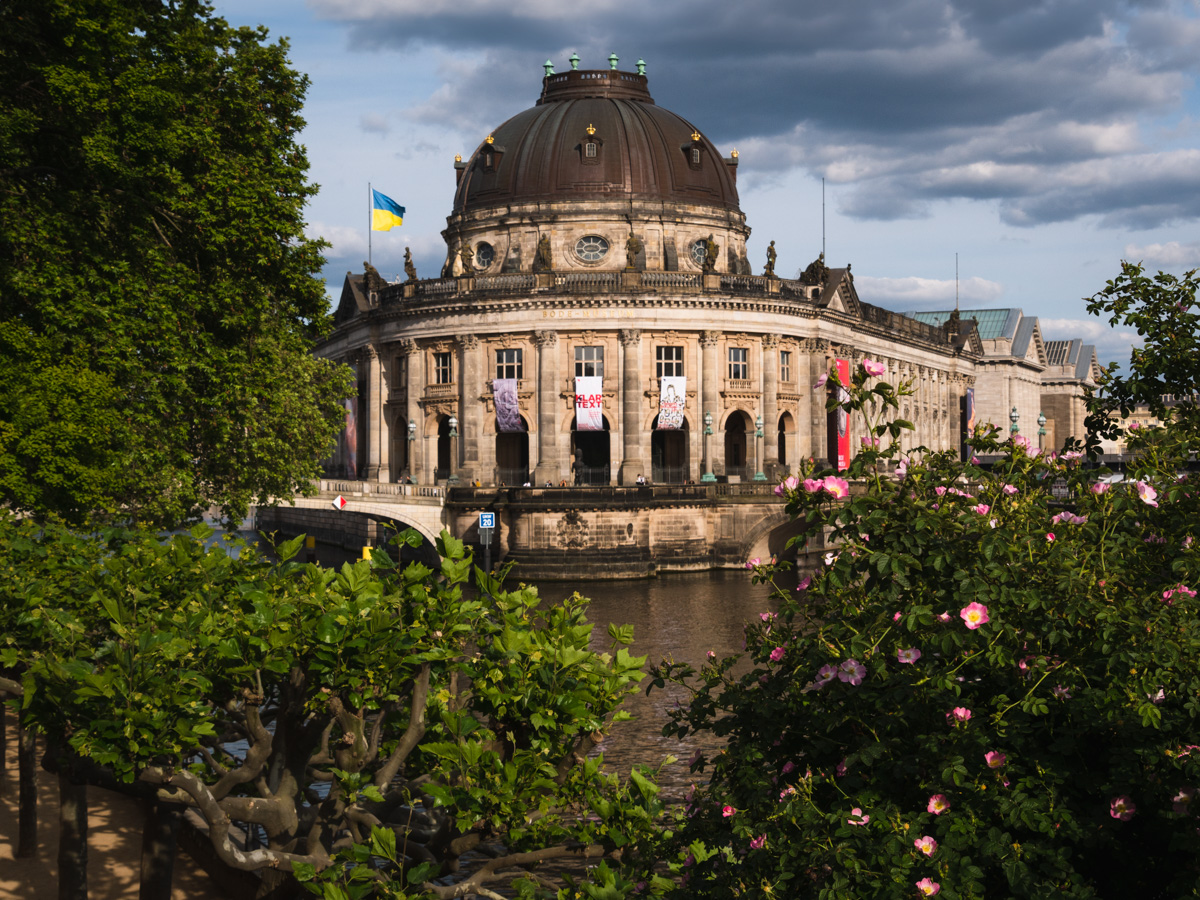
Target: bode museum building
(597, 321)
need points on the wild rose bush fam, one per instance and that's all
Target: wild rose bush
(985, 692)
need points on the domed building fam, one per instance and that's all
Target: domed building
(597, 320)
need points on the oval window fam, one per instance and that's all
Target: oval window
(591, 248)
(484, 254)
(699, 252)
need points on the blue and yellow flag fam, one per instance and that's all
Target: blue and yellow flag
(386, 213)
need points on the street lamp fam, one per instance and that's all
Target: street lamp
(708, 476)
(758, 448)
(1041, 429)
(453, 479)
(412, 436)
(1012, 416)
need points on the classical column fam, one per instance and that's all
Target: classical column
(407, 348)
(549, 467)
(770, 405)
(374, 407)
(710, 372)
(632, 462)
(470, 407)
(815, 357)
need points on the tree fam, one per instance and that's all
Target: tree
(158, 296)
(983, 692)
(342, 715)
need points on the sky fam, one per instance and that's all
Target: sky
(1031, 144)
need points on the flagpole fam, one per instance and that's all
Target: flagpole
(369, 222)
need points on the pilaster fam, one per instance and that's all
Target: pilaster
(470, 426)
(770, 413)
(549, 464)
(632, 461)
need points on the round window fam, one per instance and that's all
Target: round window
(484, 254)
(699, 252)
(591, 248)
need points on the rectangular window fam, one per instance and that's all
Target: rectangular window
(739, 363)
(509, 363)
(589, 361)
(399, 372)
(442, 370)
(591, 150)
(668, 361)
(785, 366)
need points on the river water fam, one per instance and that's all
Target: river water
(681, 617)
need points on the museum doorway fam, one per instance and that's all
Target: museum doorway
(669, 457)
(442, 472)
(736, 461)
(591, 454)
(512, 456)
(787, 433)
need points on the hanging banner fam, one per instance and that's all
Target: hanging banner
(970, 412)
(589, 403)
(842, 367)
(672, 395)
(348, 443)
(508, 414)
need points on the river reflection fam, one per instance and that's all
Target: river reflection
(681, 617)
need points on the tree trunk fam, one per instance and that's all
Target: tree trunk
(159, 835)
(3, 746)
(27, 841)
(72, 839)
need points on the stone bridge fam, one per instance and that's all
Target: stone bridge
(566, 532)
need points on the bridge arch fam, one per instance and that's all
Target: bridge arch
(770, 536)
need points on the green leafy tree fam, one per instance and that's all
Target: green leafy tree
(363, 717)
(982, 692)
(158, 296)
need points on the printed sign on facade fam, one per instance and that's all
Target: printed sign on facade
(843, 415)
(589, 403)
(672, 395)
(508, 413)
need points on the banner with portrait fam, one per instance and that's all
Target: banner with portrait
(672, 397)
(589, 403)
(508, 412)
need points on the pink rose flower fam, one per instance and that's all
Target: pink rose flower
(1122, 808)
(943, 617)
(857, 817)
(872, 368)
(821, 381)
(758, 842)
(960, 715)
(728, 811)
(1061, 692)
(1182, 800)
(928, 888)
(838, 487)
(909, 656)
(852, 672)
(804, 583)
(812, 485)
(766, 616)
(777, 654)
(1049, 540)
(926, 845)
(1147, 493)
(756, 561)
(825, 674)
(995, 759)
(1101, 487)
(974, 614)
(938, 804)
(1009, 489)
(981, 508)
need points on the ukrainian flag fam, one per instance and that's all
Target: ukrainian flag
(386, 213)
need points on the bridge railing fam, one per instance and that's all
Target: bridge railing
(382, 489)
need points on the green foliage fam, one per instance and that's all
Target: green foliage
(1163, 373)
(392, 723)
(971, 641)
(158, 296)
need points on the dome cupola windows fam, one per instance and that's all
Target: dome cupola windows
(590, 146)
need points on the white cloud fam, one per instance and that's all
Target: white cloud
(1171, 253)
(926, 293)
(346, 241)
(1112, 344)
(374, 123)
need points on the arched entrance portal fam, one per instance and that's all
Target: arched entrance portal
(592, 453)
(736, 461)
(669, 460)
(512, 456)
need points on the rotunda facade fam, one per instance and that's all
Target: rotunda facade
(597, 321)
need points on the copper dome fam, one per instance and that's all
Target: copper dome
(595, 135)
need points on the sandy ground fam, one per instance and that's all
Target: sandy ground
(114, 845)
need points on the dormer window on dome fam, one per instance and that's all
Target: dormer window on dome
(492, 152)
(589, 146)
(695, 150)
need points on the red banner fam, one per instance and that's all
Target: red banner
(842, 415)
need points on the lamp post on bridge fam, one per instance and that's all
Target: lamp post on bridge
(1012, 417)
(708, 476)
(452, 479)
(412, 437)
(1041, 430)
(758, 448)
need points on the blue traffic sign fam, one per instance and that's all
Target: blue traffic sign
(487, 520)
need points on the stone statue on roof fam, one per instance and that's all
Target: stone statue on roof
(409, 269)
(373, 282)
(467, 255)
(817, 272)
(769, 271)
(710, 255)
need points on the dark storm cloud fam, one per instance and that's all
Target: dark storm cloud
(907, 102)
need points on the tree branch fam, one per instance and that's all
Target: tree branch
(490, 870)
(412, 734)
